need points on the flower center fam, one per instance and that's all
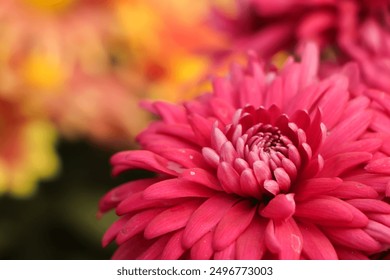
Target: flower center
(259, 153)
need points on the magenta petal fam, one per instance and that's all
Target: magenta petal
(379, 232)
(290, 238)
(351, 189)
(202, 128)
(381, 165)
(226, 254)
(171, 219)
(202, 177)
(170, 113)
(113, 230)
(136, 224)
(187, 158)
(234, 222)
(325, 211)
(131, 249)
(250, 244)
(370, 205)
(153, 252)
(116, 195)
(142, 160)
(316, 245)
(174, 249)
(211, 157)
(203, 248)
(271, 240)
(229, 178)
(281, 207)
(344, 253)
(346, 131)
(206, 217)
(337, 164)
(354, 238)
(176, 188)
(315, 187)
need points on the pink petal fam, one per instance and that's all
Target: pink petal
(228, 152)
(233, 223)
(315, 244)
(113, 230)
(261, 171)
(131, 249)
(202, 177)
(381, 165)
(379, 232)
(153, 252)
(187, 158)
(136, 224)
(290, 237)
(281, 207)
(169, 113)
(250, 94)
(116, 195)
(142, 160)
(351, 189)
(309, 65)
(316, 132)
(270, 239)
(249, 184)
(354, 238)
(222, 109)
(370, 205)
(282, 178)
(203, 248)
(170, 220)
(202, 128)
(226, 254)
(206, 217)
(176, 188)
(315, 187)
(330, 211)
(211, 157)
(250, 244)
(370, 145)
(218, 138)
(337, 164)
(346, 131)
(138, 202)
(229, 178)
(173, 249)
(349, 254)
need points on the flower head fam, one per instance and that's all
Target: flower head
(271, 164)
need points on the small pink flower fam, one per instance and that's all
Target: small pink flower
(270, 165)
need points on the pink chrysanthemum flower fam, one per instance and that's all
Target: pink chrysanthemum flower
(356, 30)
(270, 165)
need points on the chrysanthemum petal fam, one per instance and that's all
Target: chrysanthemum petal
(203, 248)
(379, 232)
(173, 249)
(143, 160)
(227, 253)
(206, 217)
(176, 188)
(370, 205)
(345, 253)
(229, 178)
(113, 230)
(290, 238)
(234, 222)
(337, 164)
(354, 238)
(327, 210)
(187, 158)
(154, 251)
(202, 177)
(351, 189)
(281, 207)
(381, 165)
(136, 224)
(315, 187)
(316, 246)
(173, 218)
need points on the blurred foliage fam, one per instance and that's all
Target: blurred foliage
(59, 222)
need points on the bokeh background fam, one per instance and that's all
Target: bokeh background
(72, 74)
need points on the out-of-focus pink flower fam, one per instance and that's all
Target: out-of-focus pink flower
(271, 164)
(356, 30)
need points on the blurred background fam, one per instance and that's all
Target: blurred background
(72, 73)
